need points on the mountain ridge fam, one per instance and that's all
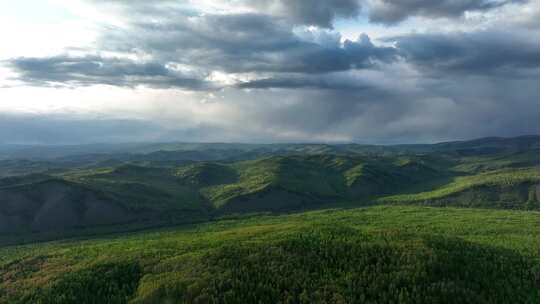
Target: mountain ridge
(157, 189)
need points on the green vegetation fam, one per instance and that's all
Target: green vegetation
(103, 283)
(312, 176)
(139, 187)
(386, 254)
(213, 223)
(310, 180)
(318, 178)
(158, 191)
(488, 181)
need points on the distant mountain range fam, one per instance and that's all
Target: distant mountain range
(71, 190)
(213, 151)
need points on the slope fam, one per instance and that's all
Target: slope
(506, 188)
(286, 183)
(144, 196)
(127, 195)
(55, 204)
(379, 254)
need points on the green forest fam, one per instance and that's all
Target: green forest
(446, 223)
(387, 254)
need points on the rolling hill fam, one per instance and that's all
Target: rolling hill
(56, 204)
(85, 194)
(274, 223)
(378, 255)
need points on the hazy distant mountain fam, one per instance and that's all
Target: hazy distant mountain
(201, 181)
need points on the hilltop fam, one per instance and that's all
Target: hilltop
(276, 223)
(94, 193)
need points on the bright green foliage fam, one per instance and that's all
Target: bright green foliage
(134, 195)
(207, 174)
(373, 255)
(476, 164)
(321, 177)
(381, 254)
(341, 266)
(501, 179)
(104, 283)
(311, 176)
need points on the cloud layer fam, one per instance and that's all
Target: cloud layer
(393, 11)
(284, 69)
(93, 70)
(309, 12)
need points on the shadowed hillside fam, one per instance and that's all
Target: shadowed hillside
(245, 233)
(55, 204)
(160, 188)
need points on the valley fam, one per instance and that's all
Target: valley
(454, 222)
(108, 192)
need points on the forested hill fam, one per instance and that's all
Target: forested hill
(447, 223)
(411, 255)
(105, 192)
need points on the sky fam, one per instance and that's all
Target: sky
(266, 71)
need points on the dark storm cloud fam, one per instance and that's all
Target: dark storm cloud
(234, 43)
(300, 82)
(246, 43)
(341, 81)
(481, 52)
(310, 12)
(184, 38)
(307, 84)
(393, 11)
(359, 54)
(425, 109)
(92, 70)
(265, 43)
(320, 13)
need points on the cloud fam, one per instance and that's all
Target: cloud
(423, 109)
(258, 64)
(338, 81)
(321, 13)
(487, 52)
(92, 70)
(242, 43)
(299, 82)
(390, 106)
(394, 11)
(236, 43)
